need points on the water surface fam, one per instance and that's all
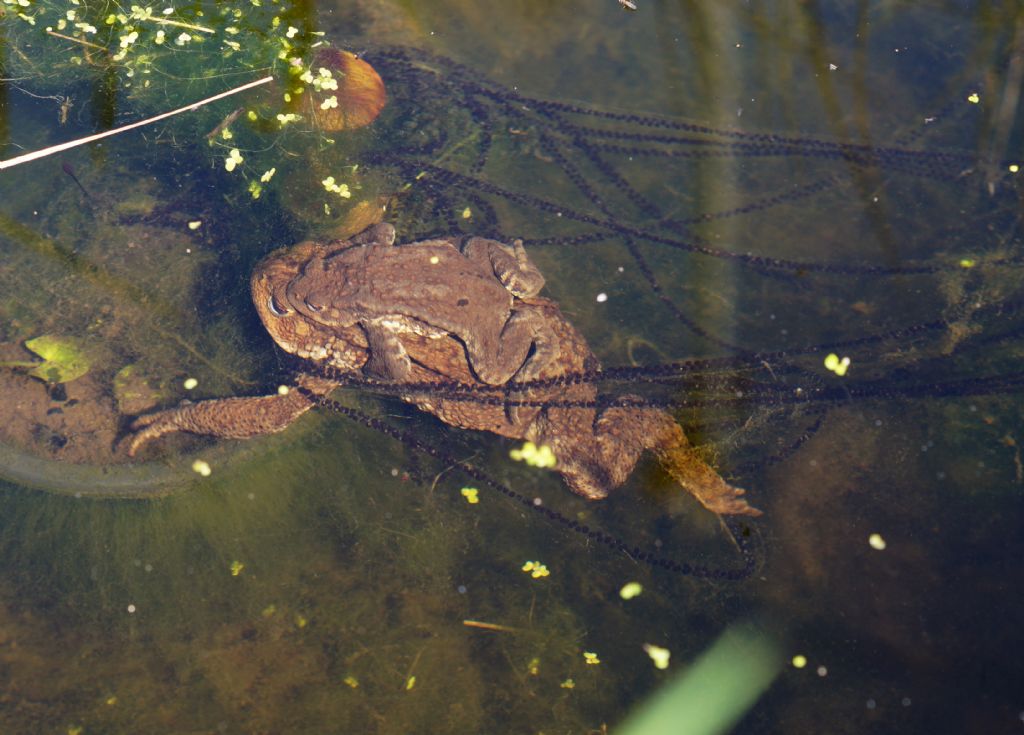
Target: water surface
(319, 580)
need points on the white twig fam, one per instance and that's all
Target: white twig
(91, 138)
(190, 26)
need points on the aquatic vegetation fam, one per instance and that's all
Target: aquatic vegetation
(533, 455)
(630, 590)
(535, 569)
(129, 56)
(835, 365)
(64, 358)
(659, 656)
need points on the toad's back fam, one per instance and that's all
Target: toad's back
(431, 281)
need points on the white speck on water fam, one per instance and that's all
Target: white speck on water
(131, 609)
(602, 297)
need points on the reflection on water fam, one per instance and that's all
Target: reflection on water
(761, 192)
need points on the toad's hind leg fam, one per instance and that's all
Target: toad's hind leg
(510, 358)
(230, 418)
(660, 433)
(698, 478)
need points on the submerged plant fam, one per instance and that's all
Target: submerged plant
(143, 60)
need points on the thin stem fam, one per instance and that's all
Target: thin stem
(76, 40)
(91, 138)
(190, 26)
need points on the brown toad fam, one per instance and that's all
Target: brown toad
(596, 451)
(431, 288)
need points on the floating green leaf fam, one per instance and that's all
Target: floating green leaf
(64, 358)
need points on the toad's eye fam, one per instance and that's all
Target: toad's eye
(312, 305)
(275, 307)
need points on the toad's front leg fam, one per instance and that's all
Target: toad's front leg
(509, 263)
(230, 418)
(388, 359)
(498, 358)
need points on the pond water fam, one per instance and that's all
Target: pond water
(726, 199)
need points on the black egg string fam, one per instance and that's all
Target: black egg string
(451, 181)
(620, 184)
(846, 392)
(930, 164)
(460, 83)
(785, 374)
(793, 195)
(454, 181)
(690, 324)
(591, 151)
(450, 80)
(740, 531)
(460, 78)
(552, 149)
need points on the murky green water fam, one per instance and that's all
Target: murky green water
(319, 581)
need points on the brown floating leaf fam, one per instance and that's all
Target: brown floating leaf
(360, 94)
